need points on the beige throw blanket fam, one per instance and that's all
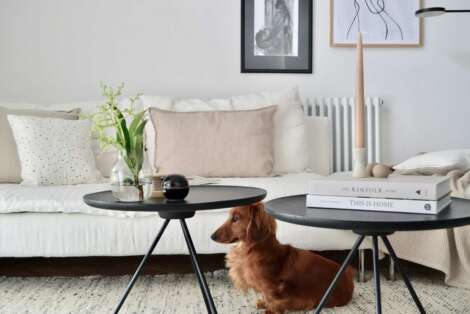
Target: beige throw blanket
(447, 250)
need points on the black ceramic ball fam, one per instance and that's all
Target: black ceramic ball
(175, 187)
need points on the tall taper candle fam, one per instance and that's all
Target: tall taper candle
(359, 151)
(359, 119)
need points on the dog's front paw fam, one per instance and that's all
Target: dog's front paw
(272, 311)
(260, 304)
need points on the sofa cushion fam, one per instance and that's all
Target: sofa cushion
(290, 137)
(54, 151)
(10, 169)
(104, 159)
(41, 229)
(439, 162)
(17, 198)
(214, 143)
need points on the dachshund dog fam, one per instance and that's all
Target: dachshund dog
(286, 277)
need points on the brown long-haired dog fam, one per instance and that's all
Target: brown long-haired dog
(287, 278)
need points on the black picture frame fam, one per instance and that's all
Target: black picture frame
(301, 63)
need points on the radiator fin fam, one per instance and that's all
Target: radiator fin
(340, 111)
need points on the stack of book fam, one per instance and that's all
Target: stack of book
(405, 194)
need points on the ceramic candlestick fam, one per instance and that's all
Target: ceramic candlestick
(360, 163)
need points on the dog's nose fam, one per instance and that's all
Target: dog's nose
(214, 236)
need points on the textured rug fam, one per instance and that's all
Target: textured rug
(181, 294)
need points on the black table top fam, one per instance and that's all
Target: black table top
(293, 209)
(199, 198)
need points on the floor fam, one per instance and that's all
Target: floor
(93, 285)
(180, 294)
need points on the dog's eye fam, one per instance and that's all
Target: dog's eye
(235, 218)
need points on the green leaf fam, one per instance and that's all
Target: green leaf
(119, 138)
(137, 120)
(127, 139)
(139, 131)
(139, 152)
(123, 132)
(135, 133)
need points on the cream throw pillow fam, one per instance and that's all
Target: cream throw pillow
(54, 151)
(10, 170)
(439, 162)
(214, 143)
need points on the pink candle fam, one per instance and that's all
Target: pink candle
(360, 111)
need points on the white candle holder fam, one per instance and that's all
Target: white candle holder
(360, 163)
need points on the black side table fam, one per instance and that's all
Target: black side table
(368, 223)
(199, 198)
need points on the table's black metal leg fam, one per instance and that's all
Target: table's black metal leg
(141, 266)
(375, 261)
(341, 270)
(403, 275)
(197, 268)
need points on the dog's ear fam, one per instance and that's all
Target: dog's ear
(261, 225)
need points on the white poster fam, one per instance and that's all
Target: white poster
(382, 22)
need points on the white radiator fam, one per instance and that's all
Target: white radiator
(340, 111)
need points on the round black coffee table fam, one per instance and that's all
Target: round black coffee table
(293, 209)
(199, 198)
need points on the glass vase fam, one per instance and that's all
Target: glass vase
(124, 185)
(145, 177)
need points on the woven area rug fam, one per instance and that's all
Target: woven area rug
(181, 294)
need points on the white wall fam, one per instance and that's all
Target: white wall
(58, 50)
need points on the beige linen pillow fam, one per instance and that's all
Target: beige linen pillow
(10, 168)
(214, 143)
(290, 133)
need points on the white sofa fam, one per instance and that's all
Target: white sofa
(53, 221)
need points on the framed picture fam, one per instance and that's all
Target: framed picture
(276, 36)
(382, 22)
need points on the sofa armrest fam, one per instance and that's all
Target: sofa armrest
(319, 146)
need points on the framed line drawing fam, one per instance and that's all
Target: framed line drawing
(276, 36)
(383, 23)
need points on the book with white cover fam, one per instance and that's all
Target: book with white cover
(379, 204)
(399, 187)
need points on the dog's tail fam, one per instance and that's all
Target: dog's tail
(344, 290)
(347, 283)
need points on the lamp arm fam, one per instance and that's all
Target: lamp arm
(457, 11)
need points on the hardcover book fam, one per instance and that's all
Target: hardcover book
(397, 187)
(379, 204)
